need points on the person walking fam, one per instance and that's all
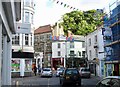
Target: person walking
(35, 70)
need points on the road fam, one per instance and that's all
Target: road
(50, 82)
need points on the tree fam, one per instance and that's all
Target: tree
(81, 23)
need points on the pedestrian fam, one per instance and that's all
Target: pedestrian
(39, 69)
(35, 70)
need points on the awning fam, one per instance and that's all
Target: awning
(22, 55)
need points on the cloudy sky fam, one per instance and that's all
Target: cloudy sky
(49, 11)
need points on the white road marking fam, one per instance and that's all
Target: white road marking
(48, 82)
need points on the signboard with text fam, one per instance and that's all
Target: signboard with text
(23, 28)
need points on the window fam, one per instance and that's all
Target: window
(71, 52)
(31, 18)
(95, 38)
(71, 44)
(58, 45)
(27, 17)
(83, 53)
(32, 4)
(96, 53)
(89, 41)
(31, 40)
(27, 2)
(26, 39)
(90, 55)
(58, 53)
(79, 53)
(15, 39)
(83, 44)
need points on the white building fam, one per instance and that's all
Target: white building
(9, 14)
(23, 41)
(62, 48)
(95, 52)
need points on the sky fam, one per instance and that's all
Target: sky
(49, 12)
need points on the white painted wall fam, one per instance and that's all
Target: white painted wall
(100, 44)
(65, 47)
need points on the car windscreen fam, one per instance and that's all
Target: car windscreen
(85, 70)
(46, 69)
(71, 71)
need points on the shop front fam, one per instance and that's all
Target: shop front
(111, 66)
(21, 64)
(57, 62)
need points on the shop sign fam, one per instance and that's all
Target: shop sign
(23, 28)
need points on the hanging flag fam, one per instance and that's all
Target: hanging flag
(70, 38)
(57, 37)
(64, 5)
(61, 3)
(67, 6)
(50, 37)
(57, 2)
(71, 7)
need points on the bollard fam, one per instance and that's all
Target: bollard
(17, 83)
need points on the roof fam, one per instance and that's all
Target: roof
(43, 29)
(114, 77)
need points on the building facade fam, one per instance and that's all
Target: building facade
(43, 45)
(9, 15)
(23, 41)
(95, 52)
(113, 61)
(68, 52)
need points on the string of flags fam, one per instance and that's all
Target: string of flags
(58, 38)
(64, 4)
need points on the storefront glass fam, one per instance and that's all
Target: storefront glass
(28, 65)
(15, 65)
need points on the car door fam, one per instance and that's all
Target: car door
(104, 83)
(115, 83)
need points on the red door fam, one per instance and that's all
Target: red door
(116, 68)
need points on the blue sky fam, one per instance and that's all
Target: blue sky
(49, 12)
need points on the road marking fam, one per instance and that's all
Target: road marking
(48, 82)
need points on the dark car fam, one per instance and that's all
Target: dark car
(110, 81)
(70, 76)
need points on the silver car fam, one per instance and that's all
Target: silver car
(46, 72)
(110, 81)
(59, 71)
(85, 72)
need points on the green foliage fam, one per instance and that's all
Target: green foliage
(81, 23)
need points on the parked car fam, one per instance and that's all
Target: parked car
(85, 72)
(110, 81)
(70, 76)
(46, 72)
(59, 71)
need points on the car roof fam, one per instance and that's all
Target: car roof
(114, 77)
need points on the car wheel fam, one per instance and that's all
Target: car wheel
(79, 83)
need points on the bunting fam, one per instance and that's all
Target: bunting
(64, 4)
